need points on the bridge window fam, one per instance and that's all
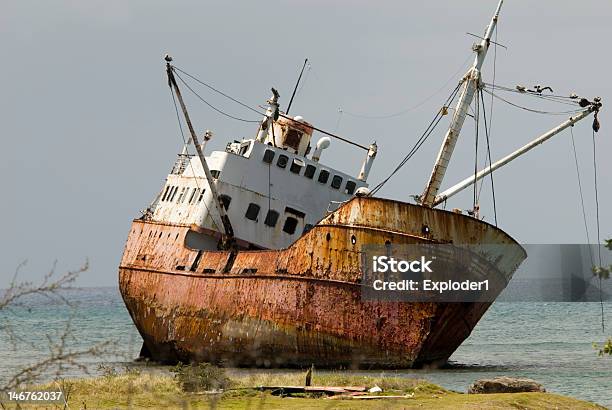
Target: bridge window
(180, 198)
(290, 225)
(194, 194)
(310, 171)
(243, 149)
(336, 182)
(350, 187)
(271, 218)
(295, 212)
(323, 176)
(186, 195)
(252, 212)
(173, 194)
(165, 193)
(268, 156)
(215, 173)
(201, 195)
(282, 161)
(296, 166)
(225, 200)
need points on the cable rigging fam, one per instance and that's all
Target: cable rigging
(254, 110)
(428, 131)
(414, 107)
(487, 131)
(212, 106)
(186, 145)
(594, 129)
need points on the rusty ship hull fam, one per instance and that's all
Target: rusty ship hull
(301, 305)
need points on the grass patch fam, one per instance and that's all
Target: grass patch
(138, 390)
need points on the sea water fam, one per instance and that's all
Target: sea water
(548, 342)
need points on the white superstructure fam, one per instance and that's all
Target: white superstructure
(272, 190)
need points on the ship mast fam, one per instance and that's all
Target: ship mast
(471, 82)
(228, 236)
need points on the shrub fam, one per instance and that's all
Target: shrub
(200, 377)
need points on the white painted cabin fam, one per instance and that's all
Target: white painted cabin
(272, 190)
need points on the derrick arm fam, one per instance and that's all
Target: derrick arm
(228, 234)
(593, 108)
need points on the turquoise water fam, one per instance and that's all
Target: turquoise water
(549, 342)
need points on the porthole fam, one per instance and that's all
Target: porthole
(268, 156)
(271, 218)
(290, 225)
(252, 212)
(323, 176)
(349, 188)
(336, 182)
(282, 161)
(310, 171)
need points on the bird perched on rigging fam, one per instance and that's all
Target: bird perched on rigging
(168, 57)
(539, 89)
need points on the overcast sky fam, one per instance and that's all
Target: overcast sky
(88, 130)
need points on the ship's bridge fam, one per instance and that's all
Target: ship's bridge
(272, 191)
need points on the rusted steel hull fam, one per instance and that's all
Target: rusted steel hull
(302, 305)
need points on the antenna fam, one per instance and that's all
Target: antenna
(296, 85)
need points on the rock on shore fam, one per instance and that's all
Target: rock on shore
(505, 385)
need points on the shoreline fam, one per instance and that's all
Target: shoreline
(244, 390)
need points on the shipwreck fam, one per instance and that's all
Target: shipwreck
(251, 256)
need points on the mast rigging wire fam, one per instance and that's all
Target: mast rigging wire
(219, 92)
(603, 328)
(260, 113)
(212, 106)
(414, 107)
(428, 131)
(530, 109)
(477, 127)
(584, 218)
(487, 130)
(186, 145)
(560, 99)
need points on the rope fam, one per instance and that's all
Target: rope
(414, 107)
(584, 218)
(603, 328)
(477, 127)
(219, 92)
(530, 109)
(254, 110)
(185, 144)
(212, 106)
(561, 99)
(432, 125)
(487, 130)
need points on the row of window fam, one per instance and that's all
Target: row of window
(195, 195)
(309, 171)
(252, 211)
(272, 216)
